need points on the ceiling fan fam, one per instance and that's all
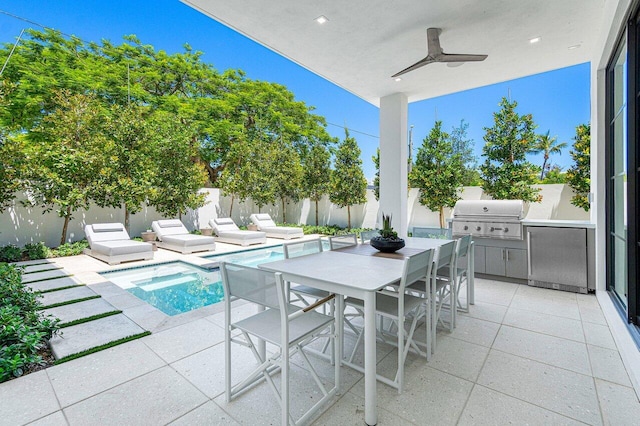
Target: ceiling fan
(436, 54)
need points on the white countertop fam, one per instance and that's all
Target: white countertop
(559, 223)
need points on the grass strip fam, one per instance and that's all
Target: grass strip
(44, 262)
(102, 347)
(87, 319)
(70, 302)
(42, 270)
(49, 279)
(60, 288)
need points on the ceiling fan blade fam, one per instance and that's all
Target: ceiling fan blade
(454, 57)
(421, 63)
(433, 41)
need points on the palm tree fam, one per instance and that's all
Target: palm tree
(548, 145)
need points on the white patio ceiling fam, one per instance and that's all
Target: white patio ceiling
(366, 41)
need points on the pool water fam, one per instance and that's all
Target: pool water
(174, 288)
(179, 287)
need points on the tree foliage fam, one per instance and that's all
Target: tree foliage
(579, 175)
(547, 145)
(348, 184)
(506, 173)
(376, 178)
(316, 177)
(177, 178)
(66, 154)
(438, 171)
(463, 146)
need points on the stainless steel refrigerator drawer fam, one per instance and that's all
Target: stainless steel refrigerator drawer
(558, 258)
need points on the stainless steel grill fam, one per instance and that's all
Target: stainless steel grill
(499, 219)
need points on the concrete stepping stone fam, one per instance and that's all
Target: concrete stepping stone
(67, 295)
(46, 275)
(29, 269)
(82, 337)
(80, 310)
(34, 262)
(56, 283)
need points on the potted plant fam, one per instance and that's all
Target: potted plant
(206, 231)
(148, 236)
(387, 241)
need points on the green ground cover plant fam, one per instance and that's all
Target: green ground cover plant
(25, 330)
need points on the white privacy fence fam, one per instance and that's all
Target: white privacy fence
(21, 225)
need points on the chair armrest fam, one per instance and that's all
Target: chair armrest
(311, 307)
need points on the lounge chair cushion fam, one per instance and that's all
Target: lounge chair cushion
(168, 227)
(187, 240)
(223, 224)
(120, 247)
(284, 230)
(99, 232)
(263, 220)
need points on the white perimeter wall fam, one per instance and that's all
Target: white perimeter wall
(20, 225)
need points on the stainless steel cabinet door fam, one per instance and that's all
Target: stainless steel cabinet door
(516, 266)
(495, 261)
(479, 259)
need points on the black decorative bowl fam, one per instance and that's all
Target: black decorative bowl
(386, 245)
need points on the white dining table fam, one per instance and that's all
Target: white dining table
(350, 275)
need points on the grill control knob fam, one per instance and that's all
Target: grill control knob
(478, 228)
(506, 229)
(492, 229)
(466, 227)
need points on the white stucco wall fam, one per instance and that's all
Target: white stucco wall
(21, 225)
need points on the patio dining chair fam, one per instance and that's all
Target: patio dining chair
(438, 290)
(401, 307)
(281, 324)
(304, 248)
(366, 236)
(341, 241)
(460, 271)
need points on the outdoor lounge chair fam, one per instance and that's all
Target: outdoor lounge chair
(228, 232)
(110, 243)
(174, 236)
(264, 223)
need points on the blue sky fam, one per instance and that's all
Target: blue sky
(558, 100)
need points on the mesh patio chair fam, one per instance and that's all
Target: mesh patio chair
(426, 232)
(366, 236)
(281, 324)
(400, 307)
(341, 241)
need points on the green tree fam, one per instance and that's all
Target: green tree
(287, 176)
(462, 145)
(178, 176)
(66, 155)
(316, 178)
(127, 179)
(348, 184)
(547, 145)
(438, 172)
(376, 178)
(579, 175)
(11, 169)
(554, 175)
(506, 173)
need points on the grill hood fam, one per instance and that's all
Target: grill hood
(489, 209)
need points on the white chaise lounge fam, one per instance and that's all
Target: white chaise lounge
(174, 236)
(228, 232)
(111, 243)
(264, 223)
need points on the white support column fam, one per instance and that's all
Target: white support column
(393, 160)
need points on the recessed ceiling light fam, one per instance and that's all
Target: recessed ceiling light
(321, 19)
(575, 46)
(397, 79)
(534, 40)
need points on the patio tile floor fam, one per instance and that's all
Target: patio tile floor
(521, 355)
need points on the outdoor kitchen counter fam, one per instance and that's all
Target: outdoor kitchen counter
(559, 223)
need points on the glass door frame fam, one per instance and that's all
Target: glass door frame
(631, 38)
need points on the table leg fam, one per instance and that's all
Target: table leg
(339, 312)
(370, 389)
(470, 275)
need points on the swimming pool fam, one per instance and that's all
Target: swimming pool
(179, 287)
